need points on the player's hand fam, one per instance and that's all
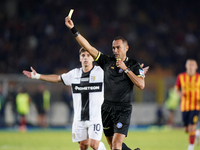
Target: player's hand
(69, 23)
(27, 73)
(32, 75)
(144, 69)
(120, 64)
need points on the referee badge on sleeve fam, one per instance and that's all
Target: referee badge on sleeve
(141, 73)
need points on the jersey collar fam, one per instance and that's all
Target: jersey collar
(126, 59)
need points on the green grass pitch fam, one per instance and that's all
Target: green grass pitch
(153, 139)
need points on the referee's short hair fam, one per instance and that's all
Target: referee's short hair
(121, 38)
(81, 50)
(191, 58)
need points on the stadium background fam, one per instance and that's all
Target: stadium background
(161, 34)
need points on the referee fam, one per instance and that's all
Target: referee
(120, 75)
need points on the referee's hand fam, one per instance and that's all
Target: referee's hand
(69, 23)
(121, 64)
(146, 69)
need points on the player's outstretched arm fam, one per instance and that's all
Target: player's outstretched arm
(34, 75)
(80, 39)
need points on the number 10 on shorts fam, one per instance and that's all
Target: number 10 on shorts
(97, 127)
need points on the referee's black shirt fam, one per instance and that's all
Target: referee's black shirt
(118, 87)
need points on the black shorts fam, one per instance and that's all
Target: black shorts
(190, 117)
(116, 118)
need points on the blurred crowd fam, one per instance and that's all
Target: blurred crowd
(161, 34)
(19, 103)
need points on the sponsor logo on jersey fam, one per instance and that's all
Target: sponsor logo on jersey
(119, 125)
(112, 67)
(84, 79)
(88, 87)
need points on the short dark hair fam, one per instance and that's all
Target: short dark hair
(121, 38)
(191, 58)
(81, 50)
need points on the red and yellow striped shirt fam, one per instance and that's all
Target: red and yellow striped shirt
(190, 87)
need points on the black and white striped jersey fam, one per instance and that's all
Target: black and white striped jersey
(87, 92)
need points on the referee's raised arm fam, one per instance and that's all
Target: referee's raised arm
(80, 39)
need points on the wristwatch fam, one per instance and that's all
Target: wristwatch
(127, 70)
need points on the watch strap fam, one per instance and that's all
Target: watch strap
(127, 70)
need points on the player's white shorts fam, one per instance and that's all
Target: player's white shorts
(81, 130)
